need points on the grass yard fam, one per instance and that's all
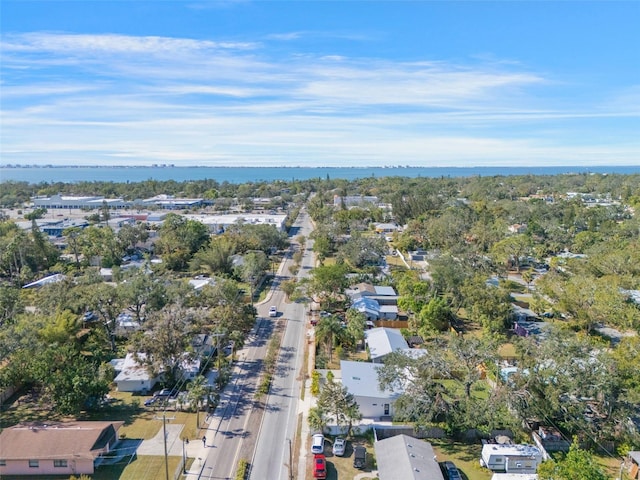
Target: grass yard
(395, 261)
(465, 456)
(141, 468)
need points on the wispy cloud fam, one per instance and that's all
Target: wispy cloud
(106, 98)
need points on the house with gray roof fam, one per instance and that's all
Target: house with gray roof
(134, 375)
(382, 341)
(406, 457)
(361, 381)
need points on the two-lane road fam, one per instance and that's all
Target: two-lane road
(274, 450)
(237, 426)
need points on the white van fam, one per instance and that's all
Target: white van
(317, 443)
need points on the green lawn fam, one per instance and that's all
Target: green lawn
(465, 456)
(141, 468)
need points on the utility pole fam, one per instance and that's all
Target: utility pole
(290, 461)
(164, 435)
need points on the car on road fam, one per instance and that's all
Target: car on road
(317, 443)
(339, 446)
(359, 457)
(273, 311)
(451, 471)
(319, 466)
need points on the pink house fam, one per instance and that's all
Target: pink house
(56, 448)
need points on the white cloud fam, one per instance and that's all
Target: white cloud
(87, 98)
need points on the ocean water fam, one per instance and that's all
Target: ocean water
(69, 174)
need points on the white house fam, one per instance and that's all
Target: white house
(511, 458)
(407, 458)
(134, 376)
(383, 341)
(361, 380)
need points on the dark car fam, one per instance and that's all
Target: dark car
(451, 471)
(359, 456)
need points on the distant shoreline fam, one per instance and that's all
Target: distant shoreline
(369, 167)
(48, 174)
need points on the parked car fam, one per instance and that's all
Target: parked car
(359, 457)
(165, 392)
(317, 443)
(451, 471)
(273, 311)
(339, 446)
(319, 466)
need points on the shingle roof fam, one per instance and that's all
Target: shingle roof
(56, 440)
(406, 457)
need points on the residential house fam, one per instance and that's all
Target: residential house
(134, 375)
(55, 448)
(407, 458)
(382, 294)
(361, 381)
(368, 307)
(354, 200)
(203, 344)
(55, 278)
(189, 367)
(382, 341)
(511, 458)
(386, 227)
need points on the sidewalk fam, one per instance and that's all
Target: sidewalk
(304, 406)
(196, 449)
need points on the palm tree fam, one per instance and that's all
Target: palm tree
(196, 390)
(317, 420)
(328, 331)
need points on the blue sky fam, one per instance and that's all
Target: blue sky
(310, 83)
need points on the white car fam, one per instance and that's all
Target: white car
(339, 446)
(273, 311)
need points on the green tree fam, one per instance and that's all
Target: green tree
(179, 239)
(328, 332)
(327, 284)
(434, 316)
(511, 250)
(356, 325)
(317, 419)
(216, 258)
(166, 338)
(336, 401)
(578, 464)
(11, 303)
(196, 390)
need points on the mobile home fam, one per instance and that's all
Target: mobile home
(511, 458)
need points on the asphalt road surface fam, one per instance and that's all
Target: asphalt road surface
(274, 453)
(260, 431)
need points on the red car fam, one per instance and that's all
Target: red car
(319, 466)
